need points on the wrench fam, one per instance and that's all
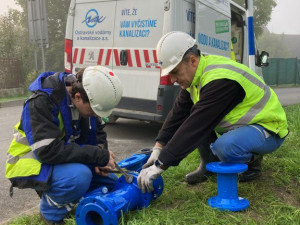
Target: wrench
(128, 177)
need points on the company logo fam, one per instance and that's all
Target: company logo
(92, 18)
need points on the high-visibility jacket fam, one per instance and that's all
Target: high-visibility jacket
(23, 167)
(260, 105)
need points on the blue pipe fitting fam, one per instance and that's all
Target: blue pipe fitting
(227, 198)
(137, 160)
(103, 207)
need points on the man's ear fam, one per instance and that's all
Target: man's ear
(194, 61)
(77, 97)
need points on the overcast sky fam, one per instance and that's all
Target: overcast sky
(285, 16)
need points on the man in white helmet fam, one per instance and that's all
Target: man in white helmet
(218, 96)
(59, 146)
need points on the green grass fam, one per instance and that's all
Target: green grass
(13, 98)
(274, 199)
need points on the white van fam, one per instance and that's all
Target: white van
(122, 35)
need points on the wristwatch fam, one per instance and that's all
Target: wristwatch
(160, 165)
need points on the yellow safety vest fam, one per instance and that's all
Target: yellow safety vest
(21, 160)
(260, 105)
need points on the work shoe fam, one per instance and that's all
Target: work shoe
(201, 174)
(254, 169)
(47, 222)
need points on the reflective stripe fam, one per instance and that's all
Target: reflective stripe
(20, 138)
(41, 143)
(265, 133)
(255, 109)
(247, 75)
(13, 159)
(51, 202)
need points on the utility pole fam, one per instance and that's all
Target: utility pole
(37, 27)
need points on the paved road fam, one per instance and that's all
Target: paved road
(125, 137)
(288, 96)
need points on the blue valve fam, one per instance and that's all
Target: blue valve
(102, 207)
(227, 198)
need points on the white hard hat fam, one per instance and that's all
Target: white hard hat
(103, 88)
(171, 48)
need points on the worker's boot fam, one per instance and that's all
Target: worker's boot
(49, 222)
(254, 169)
(201, 174)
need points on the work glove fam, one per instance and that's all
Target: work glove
(154, 156)
(147, 176)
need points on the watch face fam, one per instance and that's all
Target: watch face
(160, 165)
(157, 163)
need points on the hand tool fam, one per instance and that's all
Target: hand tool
(128, 177)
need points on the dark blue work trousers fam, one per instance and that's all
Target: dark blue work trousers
(69, 183)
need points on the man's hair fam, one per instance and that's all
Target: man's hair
(77, 87)
(191, 51)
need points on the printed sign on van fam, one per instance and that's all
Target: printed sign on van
(92, 18)
(91, 25)
(135, 27)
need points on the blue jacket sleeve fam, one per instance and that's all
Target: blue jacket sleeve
(41, 126)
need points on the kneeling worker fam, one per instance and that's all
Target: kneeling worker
(59, 148)
(218, 95)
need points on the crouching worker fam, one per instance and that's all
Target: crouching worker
(59, 147)
(218, 95)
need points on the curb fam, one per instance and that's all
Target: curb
(12, 103)
(33, 210)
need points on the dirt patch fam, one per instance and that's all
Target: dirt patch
(288, 194)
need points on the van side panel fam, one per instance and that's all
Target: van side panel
(93, 34)
(138, 27)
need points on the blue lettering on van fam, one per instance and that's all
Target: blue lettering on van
(190, 16)
(129, 12)
(206, 40)
(134, 33)
(126, 12)
(92, 18)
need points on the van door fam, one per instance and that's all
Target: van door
(93, 35)
(138, 27)
(213, 27)
(238, 31)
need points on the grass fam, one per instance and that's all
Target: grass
(274, 198)
(14, 97)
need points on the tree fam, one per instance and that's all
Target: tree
(14, 42)
(57, 12)
(274, 45)
(262, 13)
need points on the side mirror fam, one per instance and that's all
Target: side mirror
(262, 59)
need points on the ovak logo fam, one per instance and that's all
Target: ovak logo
(92, 18)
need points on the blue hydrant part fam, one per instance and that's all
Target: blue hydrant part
(137, 160)
(227, 198)
(102, 207)
(134, 163)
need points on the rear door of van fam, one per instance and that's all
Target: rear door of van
(137, 29)
(213, 27)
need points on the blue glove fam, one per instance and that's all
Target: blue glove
(147, 176)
